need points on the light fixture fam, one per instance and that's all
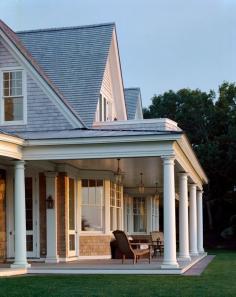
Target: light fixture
(118, 175)
(141, 185)
(156, 195)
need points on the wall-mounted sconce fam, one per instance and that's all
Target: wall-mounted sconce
(50, 202)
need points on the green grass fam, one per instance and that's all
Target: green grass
(219, 279)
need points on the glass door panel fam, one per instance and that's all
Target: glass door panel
(72, 218)
(29, 209)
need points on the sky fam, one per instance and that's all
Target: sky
(163, 44)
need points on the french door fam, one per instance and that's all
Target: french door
(31, 217)
(72, 218)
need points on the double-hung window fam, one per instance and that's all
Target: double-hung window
(155, 213)
(13, 97)
(92, 205)
(104, 109)
(139, 214)
(115, 207)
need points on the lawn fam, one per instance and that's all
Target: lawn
(219, 279)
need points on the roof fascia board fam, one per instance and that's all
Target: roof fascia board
(189, 159)
(10, 150)
(75, 122)
(103, 140)
(98, 151)
(11, 139)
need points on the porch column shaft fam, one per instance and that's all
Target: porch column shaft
(169, 214)
(51, 190)
(193, 220)
(183, 217)
(20, 218)
(199, 222)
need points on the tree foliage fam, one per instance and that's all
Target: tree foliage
(209, 120)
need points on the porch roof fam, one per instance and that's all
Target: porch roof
(91, 133)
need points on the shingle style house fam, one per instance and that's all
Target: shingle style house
(77, 159)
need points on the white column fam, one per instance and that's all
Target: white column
(183, 217)
(20, 218)
(199, 223)
(51, 190)
(193, 220)
(169, 260)
(107, 187)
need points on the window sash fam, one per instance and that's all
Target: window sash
(13, 103)
(92, 205)
(139, 214)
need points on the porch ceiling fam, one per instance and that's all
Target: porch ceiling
(151, 167)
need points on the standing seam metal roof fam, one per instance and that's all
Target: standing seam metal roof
(74, 59)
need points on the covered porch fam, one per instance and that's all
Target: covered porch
(64, 169)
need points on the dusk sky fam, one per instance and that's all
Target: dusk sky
(164, 44)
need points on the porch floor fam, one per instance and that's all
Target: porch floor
(5, 271)
(112, 266)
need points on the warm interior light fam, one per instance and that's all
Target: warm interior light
(141, 185)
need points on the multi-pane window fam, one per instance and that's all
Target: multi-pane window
(115, 207)
(139, 213)
(104, 111)
(155, 213)
(13, 96)
(92, 205)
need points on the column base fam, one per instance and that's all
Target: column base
(201, 252)
(52, 260)
(20, 265)
(194, 253)
(169, 265)
(184, 258)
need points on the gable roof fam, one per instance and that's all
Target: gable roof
(132, 100)
(27, 55)
(74, 59)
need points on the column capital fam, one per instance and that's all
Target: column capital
(200, 192)
(19, 164)
(192, 186)
(183, 174)
(51, 174)
(168, 159)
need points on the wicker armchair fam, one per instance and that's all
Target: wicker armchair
(126, 249)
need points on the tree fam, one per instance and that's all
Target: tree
(210, 124)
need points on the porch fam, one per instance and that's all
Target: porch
(103, 266)
(67, 200)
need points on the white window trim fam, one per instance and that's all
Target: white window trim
(24, 94)
(102, 209)
(109, 104)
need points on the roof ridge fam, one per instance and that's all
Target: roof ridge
(66, 28)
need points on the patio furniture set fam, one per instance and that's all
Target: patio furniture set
(137, 250)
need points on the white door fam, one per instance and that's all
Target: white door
(72, 218)
(31, 217)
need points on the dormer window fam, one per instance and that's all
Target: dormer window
(13, 97)
(104, 110)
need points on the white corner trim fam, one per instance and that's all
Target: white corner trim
(75, 122)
